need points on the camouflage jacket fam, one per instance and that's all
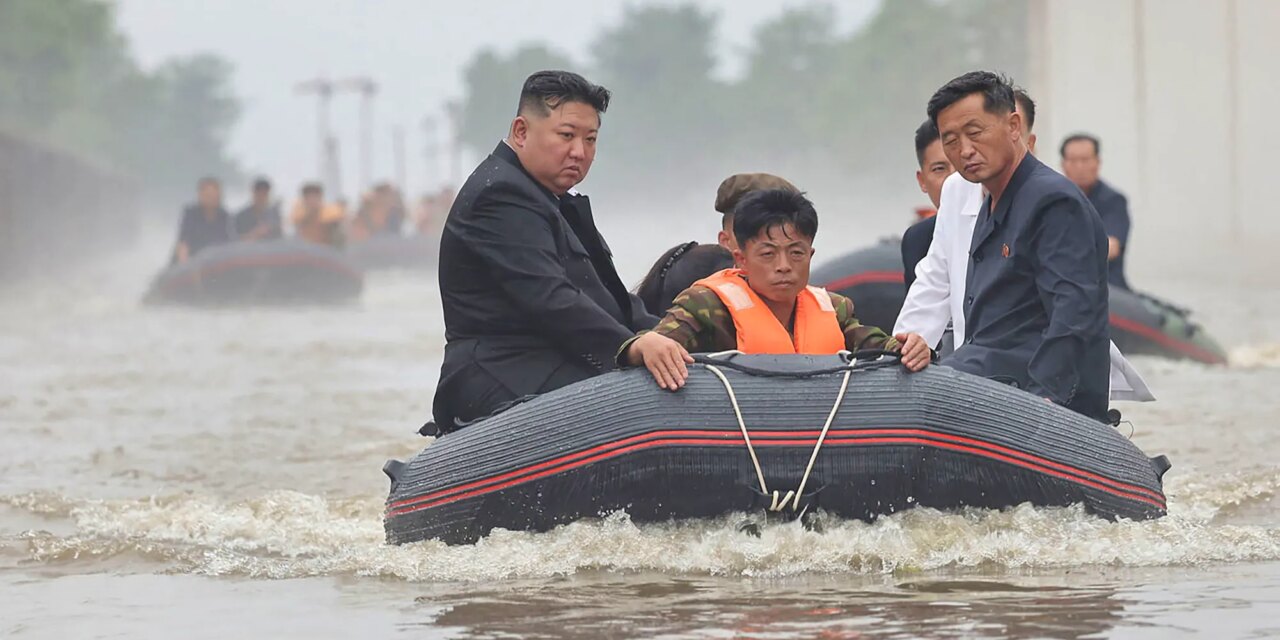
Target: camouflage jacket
(700, 322)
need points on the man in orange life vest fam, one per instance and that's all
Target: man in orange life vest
(766, 304)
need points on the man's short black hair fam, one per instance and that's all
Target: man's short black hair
(312, 187)
(926, 134)
(261, 184)
(546, 90)
(769, 208)
(1027, 106)
(996, 90)
(1076, 137)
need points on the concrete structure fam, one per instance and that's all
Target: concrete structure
(1185, 95)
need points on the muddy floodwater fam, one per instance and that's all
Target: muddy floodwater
(177, 473)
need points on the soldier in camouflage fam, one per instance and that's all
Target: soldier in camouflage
(774, 229)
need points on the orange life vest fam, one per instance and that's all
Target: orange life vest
(817, 331)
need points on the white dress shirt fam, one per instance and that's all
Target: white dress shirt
(937, 295)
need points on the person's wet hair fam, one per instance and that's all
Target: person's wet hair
(926, 134)
(676, 270)
(1027, 107)
(311, 188)
(544, 91)
(997, 93)
(261, 184)
(771, 208)
(1076, 137)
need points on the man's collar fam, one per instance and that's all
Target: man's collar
(1019, 177)
(505, 152)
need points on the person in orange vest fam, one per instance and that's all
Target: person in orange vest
(315, 221)
(765, 304)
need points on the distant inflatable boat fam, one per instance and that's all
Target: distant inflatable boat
(395, 252)
(1140, 324)
(893, 441)
(259, 273)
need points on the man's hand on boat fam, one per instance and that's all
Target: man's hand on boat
(916, 353)
(663, 357)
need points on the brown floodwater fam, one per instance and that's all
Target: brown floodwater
(202, 474)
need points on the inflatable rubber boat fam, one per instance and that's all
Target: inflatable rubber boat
(1140, 324)
(272, 272)
(787, 434)
(395, 252)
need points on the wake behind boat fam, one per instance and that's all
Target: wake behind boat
(937, 438)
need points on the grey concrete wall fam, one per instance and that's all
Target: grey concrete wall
(1185, 96)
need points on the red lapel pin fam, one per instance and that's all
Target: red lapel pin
(1004, 251)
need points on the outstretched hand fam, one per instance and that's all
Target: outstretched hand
(663, 357)
(916, 353)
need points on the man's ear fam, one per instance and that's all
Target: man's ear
(920, 181)
(1031, 143)
(519, 131)
(1015, 125)
(739, 260)
(723, 239)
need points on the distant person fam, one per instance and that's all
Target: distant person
(532, 301)
(1036, 295)
(260, 220)
(933, 171)
(1080, 162)
(431, 211)
(315, 221)
(680, 266)
(765, 305)
(204, 224)
(380, 214)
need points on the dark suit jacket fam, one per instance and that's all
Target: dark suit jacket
(1036, 307)
(915, 244)
(531, 299)
(1113, 208)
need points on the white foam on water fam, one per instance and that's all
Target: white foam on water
(284, 534)
(1255, 356)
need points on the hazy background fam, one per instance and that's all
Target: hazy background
(109, 111)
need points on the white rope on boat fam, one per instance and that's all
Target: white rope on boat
(792, 498)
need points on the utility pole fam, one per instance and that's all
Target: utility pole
(328, 169)
(367, 89)
(453, 109)
(397, 150)
(431, 151)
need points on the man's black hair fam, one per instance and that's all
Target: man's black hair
(546, 90)
(1076, 137)
(769, 208)
(926, 134)
(1027, 106)
(996, 90)
(312, 187)
(261, 184)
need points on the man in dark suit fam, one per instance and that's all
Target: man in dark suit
(1036, 303)
(1080, 163)
(933, 171)
(531, 299)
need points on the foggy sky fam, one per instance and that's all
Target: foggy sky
(414, 48)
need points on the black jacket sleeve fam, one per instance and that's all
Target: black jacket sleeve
(517, 245)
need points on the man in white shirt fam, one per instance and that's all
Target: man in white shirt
(936, 297)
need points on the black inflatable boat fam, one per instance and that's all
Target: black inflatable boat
(895, 440)
(395, 252)
(262, 273)
(1140, 324)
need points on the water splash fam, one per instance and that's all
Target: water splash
(285, 534)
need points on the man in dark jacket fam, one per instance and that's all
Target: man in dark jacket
(260, 220)
(204, 224)
(1080, 163)
(531, 299)
(1036, 303)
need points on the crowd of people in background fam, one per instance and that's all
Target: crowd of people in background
(381, 212)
